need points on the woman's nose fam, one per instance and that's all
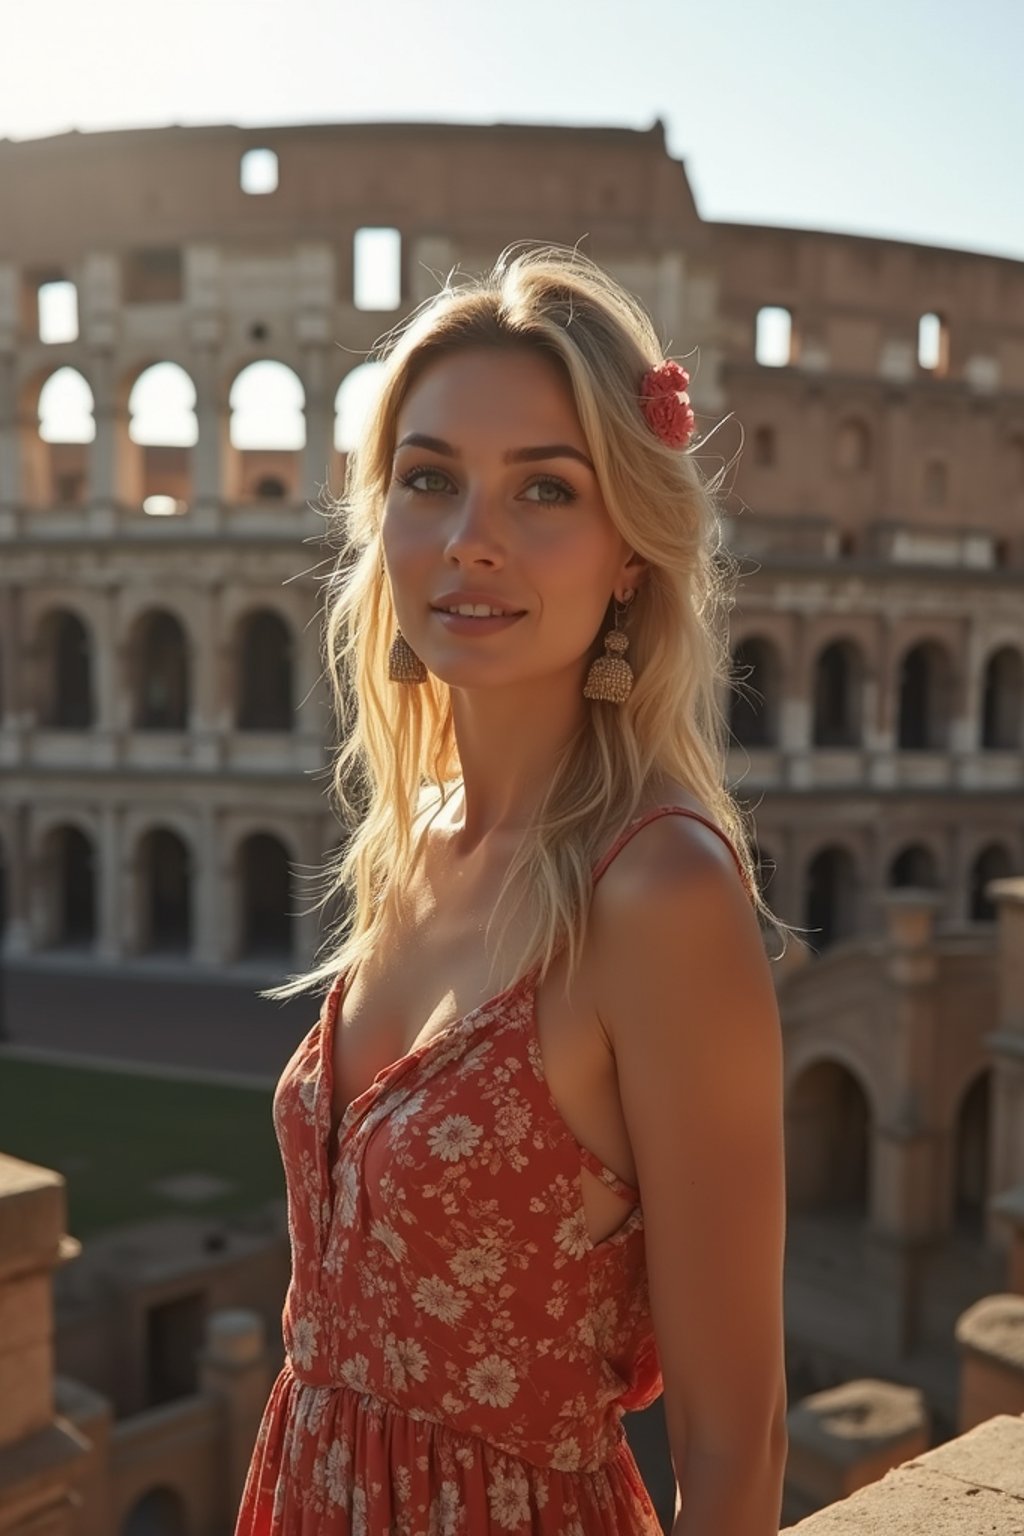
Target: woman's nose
(475, 525)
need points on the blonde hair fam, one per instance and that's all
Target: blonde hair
(397, 743)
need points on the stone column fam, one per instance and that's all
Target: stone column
(40, 1452)
(17, 938)
(319, 413)
(109, 881)
(206, 726)
(882, 722)
(212, 420)
(10, 446)
(208, 891)
(1006, 1044)
(907, 1215)
(897, 458)
(102, 454)
(849, 1436)
(966, 706)
(235, 1367)
(795, 707)
(990, 1339)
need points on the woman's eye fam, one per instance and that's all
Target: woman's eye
(420, 474)
(564, 492)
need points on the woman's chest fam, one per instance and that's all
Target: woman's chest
(407, 994)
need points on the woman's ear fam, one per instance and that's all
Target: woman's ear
(633, 574)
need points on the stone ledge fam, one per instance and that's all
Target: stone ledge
(971, 1486)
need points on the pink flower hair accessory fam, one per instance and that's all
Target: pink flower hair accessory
(666, 405)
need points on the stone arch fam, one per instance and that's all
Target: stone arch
(925, 695)
(68, 887)
(915, 865)
(265, 652)
(972, 1154)
(60, 425)
(353, 399)
(163, 880)
(159, 429)
(831, 897)
(1002, 706)
(267, 430)
(157, 663)
(838, 695)
(63, 654)
(264, 884)
(993, 862)
(159, 1512)
(828, 1139)
(756, 687)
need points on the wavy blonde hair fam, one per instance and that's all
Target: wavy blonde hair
(398, 752)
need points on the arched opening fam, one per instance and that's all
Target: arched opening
(265, 655)
(992, 863)
(933, 344)
(160, 1512)
(162, 432)
(70, 879)
(56, 456)
(828, 1141)
(268, 429)
(266, 898)
(837, 696)
(754, 702)
(1002, 709)
(165, 876)
(65, 654)
(830, 903)
(971, 1164)
(356, 395)
(925, 689)
(158, 658)
(914, 867)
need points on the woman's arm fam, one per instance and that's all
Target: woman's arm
(686, 995)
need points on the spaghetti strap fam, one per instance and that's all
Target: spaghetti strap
(652, 815)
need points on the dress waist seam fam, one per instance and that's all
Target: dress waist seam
(451, 1429)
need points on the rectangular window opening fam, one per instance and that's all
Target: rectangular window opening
(377, 255)
(58, 312)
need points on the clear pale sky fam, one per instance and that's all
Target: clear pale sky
(888, 117)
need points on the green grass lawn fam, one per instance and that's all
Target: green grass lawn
(112, 1135)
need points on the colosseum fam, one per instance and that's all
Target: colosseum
(187, 323)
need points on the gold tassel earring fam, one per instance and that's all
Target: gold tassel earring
(611, 676)
(404, 666)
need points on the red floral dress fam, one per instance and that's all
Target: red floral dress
(459, 1354)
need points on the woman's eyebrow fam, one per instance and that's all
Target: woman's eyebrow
(510, 456)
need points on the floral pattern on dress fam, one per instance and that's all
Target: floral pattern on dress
(459, 1354)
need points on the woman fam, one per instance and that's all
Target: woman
(478, 1293)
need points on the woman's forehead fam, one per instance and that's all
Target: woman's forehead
(485, 388)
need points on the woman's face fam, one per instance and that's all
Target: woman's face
(493, 493)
